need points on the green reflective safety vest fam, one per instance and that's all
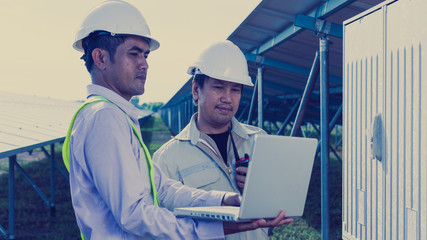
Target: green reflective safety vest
(66, 148)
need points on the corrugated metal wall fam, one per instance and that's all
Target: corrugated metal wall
(385, 65)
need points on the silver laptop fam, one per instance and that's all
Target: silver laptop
(277, 179)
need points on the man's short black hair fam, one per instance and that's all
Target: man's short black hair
(103, 40)
(200, 79)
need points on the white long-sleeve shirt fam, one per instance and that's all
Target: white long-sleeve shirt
(110, 185)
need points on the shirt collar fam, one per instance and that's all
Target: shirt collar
(126, 106)
(192, 133)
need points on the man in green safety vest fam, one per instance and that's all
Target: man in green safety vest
(117, 192)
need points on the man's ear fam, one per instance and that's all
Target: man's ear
(195, 91)
(100, 58)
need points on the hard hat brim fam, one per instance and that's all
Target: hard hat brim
(195, 70)
(154, 44)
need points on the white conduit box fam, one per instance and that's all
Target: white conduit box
(385, 122)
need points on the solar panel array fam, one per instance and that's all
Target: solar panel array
(28, 122)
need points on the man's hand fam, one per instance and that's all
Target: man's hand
(231, 199)
(241, 177)
(231, 227)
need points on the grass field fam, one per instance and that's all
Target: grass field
(34, 222)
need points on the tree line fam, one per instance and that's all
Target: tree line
(153, 106)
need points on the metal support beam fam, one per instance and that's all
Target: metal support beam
(302, 131)
(272, 12)
(306, 128)
(51, 157)
(289, 67)
(55, 165)
(243, 112)
(318, 25)
(252, 102)
(52, 180)
(335, 153)
(51, 203)
(12, 161)
(259, 29)
(264, 107)
(275, 125)
(291, 124)
(324, 135)
(32, 184)
(335, 118)
(178, 109)
(331, 125)
(306, 95)
(315, 128)
(321, 12)
(3, 233)
(65, 175)
(288, 117)
(260, 96)
(338, 142)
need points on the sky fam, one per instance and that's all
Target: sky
(37, 58)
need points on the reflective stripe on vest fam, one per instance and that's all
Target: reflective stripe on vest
(66, 148)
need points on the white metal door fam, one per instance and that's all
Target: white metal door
(363, 100)
(405, 125)
(385, 57)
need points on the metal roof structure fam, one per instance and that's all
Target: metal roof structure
(283, 38)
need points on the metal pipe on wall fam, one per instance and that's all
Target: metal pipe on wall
(324, 134)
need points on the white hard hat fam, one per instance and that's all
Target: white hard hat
(224, 61)
(116, 17)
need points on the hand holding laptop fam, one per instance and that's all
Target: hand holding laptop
(235, 227)
(280, 165)
(233, 199)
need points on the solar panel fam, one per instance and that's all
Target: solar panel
(28, 122)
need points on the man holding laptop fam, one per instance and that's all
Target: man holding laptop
(210, 153)
(117, 192)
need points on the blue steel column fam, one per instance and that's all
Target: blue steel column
(52, 180)
(12, 161)
(252, 102)
(306, 95)
(324, 133)
(178, 107)
(260, 97)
